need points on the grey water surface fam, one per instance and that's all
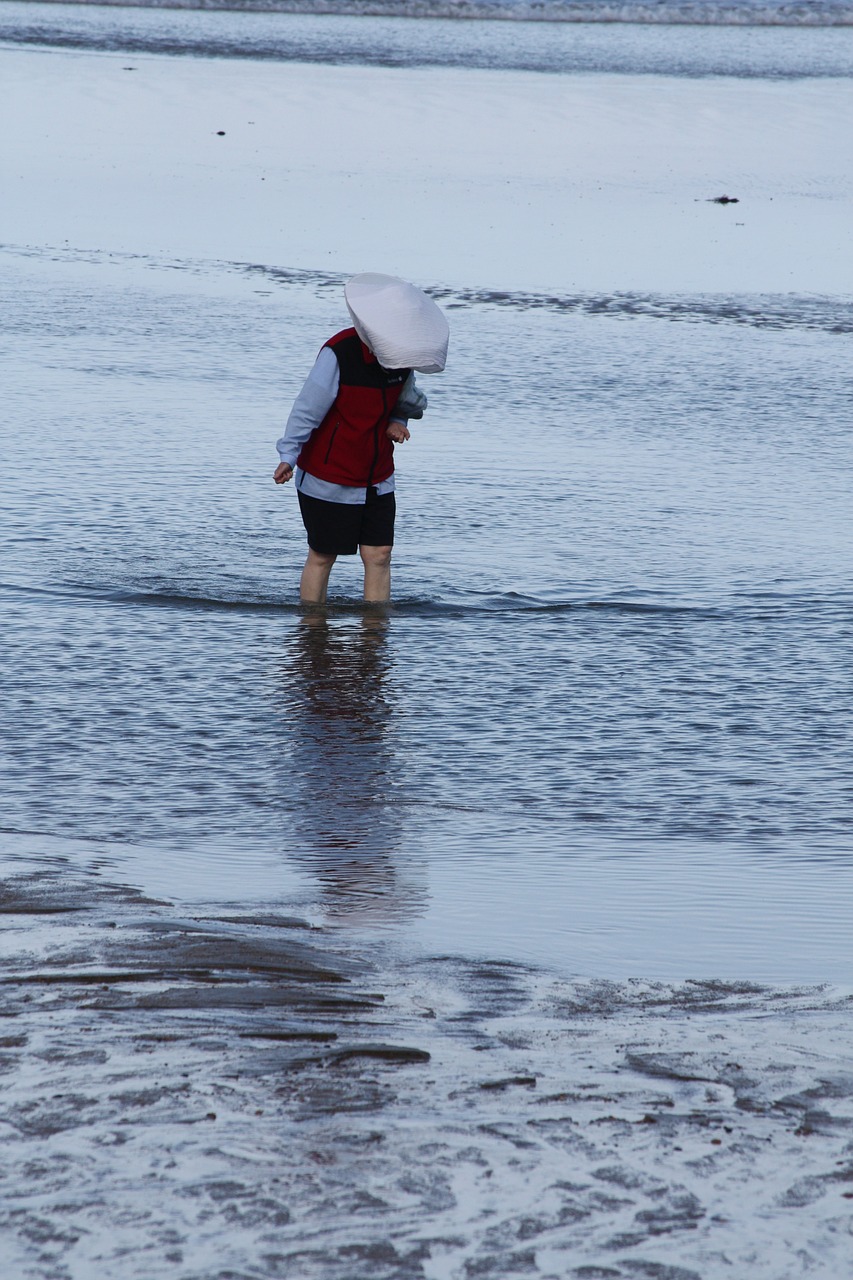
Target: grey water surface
(808, 40)
(605, 725)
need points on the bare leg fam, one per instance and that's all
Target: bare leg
(315, 577)
(377, 574)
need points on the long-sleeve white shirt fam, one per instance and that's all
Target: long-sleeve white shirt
(309, 409)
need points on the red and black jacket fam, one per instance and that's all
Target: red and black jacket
(350, 445)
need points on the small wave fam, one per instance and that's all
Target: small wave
(814, 312)
(556, 37)
(624, 603)
(418, 606)
(152, 599)
(790, 13)
(785, 311)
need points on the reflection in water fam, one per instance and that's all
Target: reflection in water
(341, 769)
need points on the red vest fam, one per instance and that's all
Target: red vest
(350, 445)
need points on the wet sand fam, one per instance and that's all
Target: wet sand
(242, 1096)
(495, 179)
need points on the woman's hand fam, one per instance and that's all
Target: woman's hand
(283, 473)
(398, 432)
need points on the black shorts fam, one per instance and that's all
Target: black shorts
(340, 528)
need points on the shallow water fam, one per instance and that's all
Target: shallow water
(605, 724)
(622, 41)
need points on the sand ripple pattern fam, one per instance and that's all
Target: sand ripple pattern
(237, 1096)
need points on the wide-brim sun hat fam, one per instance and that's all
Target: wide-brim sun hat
(398, 322)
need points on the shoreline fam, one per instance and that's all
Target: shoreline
(574, 12)
(684, 50)
(227, 1090)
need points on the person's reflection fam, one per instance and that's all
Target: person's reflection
(341, 768)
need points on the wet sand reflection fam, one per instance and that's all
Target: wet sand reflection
(339, 716)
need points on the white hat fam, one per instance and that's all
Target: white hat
(398, 322)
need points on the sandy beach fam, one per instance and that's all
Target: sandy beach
(506, 180)
(507, 937)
